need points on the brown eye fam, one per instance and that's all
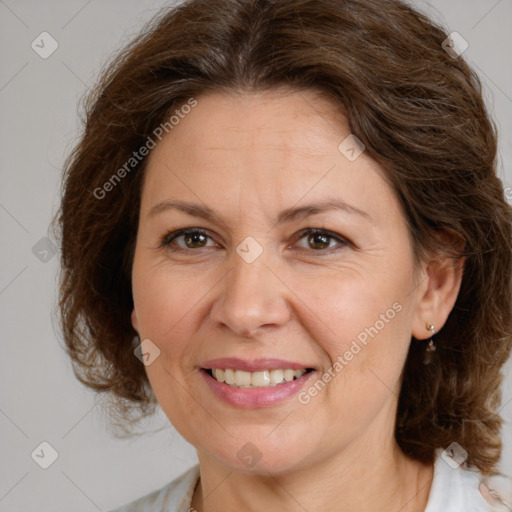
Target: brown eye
(190, 239)
(321, 240)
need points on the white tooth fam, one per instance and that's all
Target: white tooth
(276, 376)
(288, 375)
(260, 378)
(242, 378)
(229, 376)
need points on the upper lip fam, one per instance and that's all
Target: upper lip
(253, 365)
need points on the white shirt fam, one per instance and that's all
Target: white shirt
(452, 490)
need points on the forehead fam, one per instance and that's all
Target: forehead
(279, 119)
(262, 149)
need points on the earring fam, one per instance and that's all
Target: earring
(431, 348)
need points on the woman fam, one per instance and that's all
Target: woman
(284, 225)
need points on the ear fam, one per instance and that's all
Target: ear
(438, 292)
(134, 320)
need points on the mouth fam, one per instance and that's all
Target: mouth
(243, 379)
(259, 383)
(256, 382)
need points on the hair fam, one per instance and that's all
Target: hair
(421, 115)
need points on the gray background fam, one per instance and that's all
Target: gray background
(40, 400)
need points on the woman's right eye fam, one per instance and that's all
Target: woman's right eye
(191, 239)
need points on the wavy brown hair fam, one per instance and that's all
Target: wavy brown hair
(420, 114)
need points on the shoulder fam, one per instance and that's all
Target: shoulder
(455, 488)
(173, 497)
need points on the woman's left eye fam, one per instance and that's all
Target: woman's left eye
(317, 239)
(322, 239)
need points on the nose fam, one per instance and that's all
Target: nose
(253, 297)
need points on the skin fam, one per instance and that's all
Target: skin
(249, 156)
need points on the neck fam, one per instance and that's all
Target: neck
(356, 480)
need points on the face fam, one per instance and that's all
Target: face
(248, 288)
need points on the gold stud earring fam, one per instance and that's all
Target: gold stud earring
(431, 348)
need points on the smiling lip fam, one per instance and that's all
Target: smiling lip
(253, 398)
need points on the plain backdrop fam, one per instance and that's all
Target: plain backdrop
(40, 399)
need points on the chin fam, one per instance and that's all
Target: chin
(261, 456)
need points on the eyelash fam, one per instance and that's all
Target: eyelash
(168, 238)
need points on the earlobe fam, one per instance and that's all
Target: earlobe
(438, 296)
(134, 320)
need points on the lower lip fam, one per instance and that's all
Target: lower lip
(253, 398)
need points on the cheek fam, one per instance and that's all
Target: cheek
(167, 309)
(367, 361)
(349, 303)
(162, 299)
(367, 318)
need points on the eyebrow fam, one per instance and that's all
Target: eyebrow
(288, 215)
